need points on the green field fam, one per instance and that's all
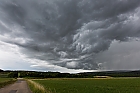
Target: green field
(120, 85)
(6, 81)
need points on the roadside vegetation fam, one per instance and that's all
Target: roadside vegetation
(112, 85)
(6, 81)
(36, 87)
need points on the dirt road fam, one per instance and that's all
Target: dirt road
(18, 87)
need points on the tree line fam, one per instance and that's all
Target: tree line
(35, 74)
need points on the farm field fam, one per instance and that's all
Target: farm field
(114, 85)
(6, 81)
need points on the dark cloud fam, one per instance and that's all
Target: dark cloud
(68, 33)
(120, 56)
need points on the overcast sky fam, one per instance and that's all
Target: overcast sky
(70, 35)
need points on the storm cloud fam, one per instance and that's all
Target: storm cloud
(74, 34)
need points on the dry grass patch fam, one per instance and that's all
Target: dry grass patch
(36, 87)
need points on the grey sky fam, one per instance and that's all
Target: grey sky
(72, 34)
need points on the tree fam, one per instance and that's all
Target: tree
(1, 70)
(13, 75)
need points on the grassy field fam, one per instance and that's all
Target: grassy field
(6, 81)
(120, 85)
(3, 75)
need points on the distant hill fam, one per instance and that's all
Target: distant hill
(116, 73)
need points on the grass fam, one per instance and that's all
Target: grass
(36, 87)
(119, 85)
(6, 81)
